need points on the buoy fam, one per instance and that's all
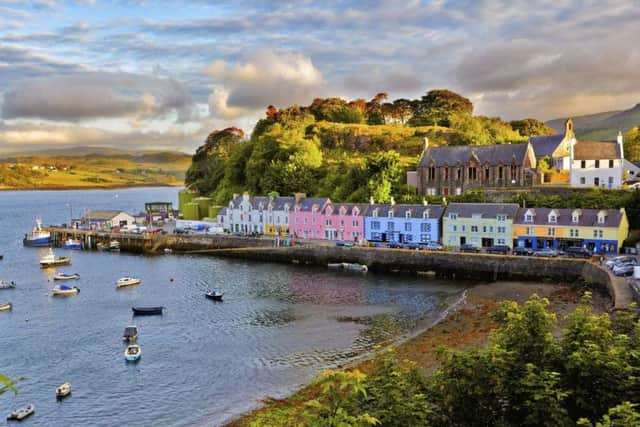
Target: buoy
(171, 279)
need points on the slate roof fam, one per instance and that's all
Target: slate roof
(492, 154)
(545, 145)
(103, 215)
(279, 202)
(363, 208)
(487, 210)
(588, 217)
(592, 150)
(400, 210)
(222, 211)
(307, 203)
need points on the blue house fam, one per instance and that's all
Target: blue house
(403, 223)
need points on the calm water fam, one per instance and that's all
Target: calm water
(202, 363)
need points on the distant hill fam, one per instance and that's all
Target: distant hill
(80, 151)
(601, 126)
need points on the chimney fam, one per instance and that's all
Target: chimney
(235, 196)
(299, 196)
(245, 196)
(393, 201)
(424, 202)
(620, 140)
(426, 142)
(371, 201)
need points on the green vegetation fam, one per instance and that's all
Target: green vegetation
(349, 151)
(7, 384)
(602, 126)
(531, 127)
(527, 375)
(632, 145)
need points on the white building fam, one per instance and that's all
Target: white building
(257, 214)
(597, 164)
(107, 219)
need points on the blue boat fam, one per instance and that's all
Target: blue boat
(73, 244)
(37, 237)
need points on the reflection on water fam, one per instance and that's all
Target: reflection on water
(203, 362)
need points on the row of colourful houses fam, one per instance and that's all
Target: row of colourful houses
(479, 224)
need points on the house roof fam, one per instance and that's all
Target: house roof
(278, 203)
(486, 210)
(592, 150)
(102, 215)
(222, 211)
(400, 210)
(492, 154)
(307, 203)
(362, 207)
(545, 145)
(587, 218)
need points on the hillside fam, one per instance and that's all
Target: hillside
(601, 126)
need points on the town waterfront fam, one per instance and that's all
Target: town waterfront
(203, 363)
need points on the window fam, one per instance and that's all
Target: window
(583, 164)
(261, 218)
(610, 180)
(408, 238)
(474, 228)
(453, 216)
(425, 238)
(375, 225)
(446, 173)
(501, 217)
(486, 174)
(459, 173)
(354, 223)
(407, 214)
(574, 232)
(305, 220)
(553, 219)
(583, 181)
(530, 231)
(277, 220)
(375, 213)
(432, 173)
(484, 228)
(499, 172)
(551, 231)
(595, 233)
(375, 236)
(502, 230)
(463, 227)
(610, 164)
(327, 222)
(501, 242)
(491, 229)
(407, 226)
(600, 234)
(528, 218)
(425, 227)
(453, 227)
(601, 218)
(597, 164)
(249, 217)
(390, 214)
(390, 226)
(342, 223)
(472, 173)
(425, 214)
(286, 220)
(313, 220)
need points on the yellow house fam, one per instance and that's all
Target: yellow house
(277, 216)
(601, 231)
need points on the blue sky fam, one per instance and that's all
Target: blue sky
(163, 74)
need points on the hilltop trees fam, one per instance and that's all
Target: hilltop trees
(632, 144)
(437, 106)
(531, 127)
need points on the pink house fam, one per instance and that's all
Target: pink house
(344, 221)
(305, 219)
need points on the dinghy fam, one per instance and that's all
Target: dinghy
(65, 276)
(22, 413)
(64, 291)
(123, 282)
(63, 391)
(133, 353)
(130, 334)
(7, 285)
(146, 311)
(214, 295)
(6, 307)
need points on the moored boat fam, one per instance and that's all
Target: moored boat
(130, 334)
(6, 307)
(214, 295)
(123, 282)
(63, 391)
(349, 266)
(65, 276)
(7, 285)
(147, 311)
(64, 291)
(22, 413)
(37, 236)
(133, 353)
(50, 260)
(114, 246)
(72, 244)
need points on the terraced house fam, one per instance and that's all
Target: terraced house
(601, 231)
(479, 224)
(306, 218)
(277, 216)
(257, 214)
(403, 223)
(344, 221)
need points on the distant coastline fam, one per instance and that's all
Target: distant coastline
(90, 187)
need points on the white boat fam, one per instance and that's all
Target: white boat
(65, 276)
(64, 291)
(37, 236)
(349, 266)
(114, 246)
(127, 281)
(72, 244)
(6, 307)
(22, 413)
(63, 391)
(133, 353)
(50, 260)
(7, 285)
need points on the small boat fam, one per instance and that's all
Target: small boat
(214, 295)
(22, 413)
(102, 246)
(63, 391)
(72, 244)
(114, 246)
(349, 266)
(133, 353)
(64, 291)
(166, 251)
(50, 260)
(65, 276)
(6, 307)
(1, 256)
(146, 311)
(130, 333)
(7, 285)
(37, 236)
(127, 281)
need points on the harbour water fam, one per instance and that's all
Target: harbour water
(202, 363)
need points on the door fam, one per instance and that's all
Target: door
(596, 181)
(463, 240)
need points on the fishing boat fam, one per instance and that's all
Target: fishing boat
(65, 276)
(50, 260)
(214, 295)
(349, 266)
(37, 236)
(63, 391)
(64, 291)
(114, 246)
(133, 353)
(7, 285)
(6, 307)
(72, 244)
(146, 311)
(123, 282)
(22, 413)
(130, 334)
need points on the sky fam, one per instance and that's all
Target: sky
(156, 74)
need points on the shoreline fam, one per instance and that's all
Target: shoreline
(80, 187)
(465, 324)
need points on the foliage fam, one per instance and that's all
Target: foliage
(623, 415)
(437, 106)
(8, 384)
(632, 145)
(531, 127)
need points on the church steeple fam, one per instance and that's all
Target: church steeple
(568, 129)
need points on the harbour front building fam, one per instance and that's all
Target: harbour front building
(248, 214)
(601, 231)
(597, 164)
(277, 216)
(479, 224)
(452, 170)
(403, 223)
(305, 219)
(343, 222)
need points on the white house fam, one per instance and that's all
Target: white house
(597, 164)
(107, 219)
(257, 214)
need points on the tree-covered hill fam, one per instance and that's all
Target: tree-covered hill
(346, 150)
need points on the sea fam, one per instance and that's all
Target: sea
(203, 363)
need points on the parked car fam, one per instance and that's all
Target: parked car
(468, 247)
(413, 246)
(434, 246)
(394, 245)
(618, 260)
(625, 269)
(546, 252)
(345, 244)
(578, 252)
(521, 250)
(498, 249)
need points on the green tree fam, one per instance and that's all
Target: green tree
(531, 127)
(383, 170)
(437, 106)
(623, 415)
(7, 384)
(632, 145)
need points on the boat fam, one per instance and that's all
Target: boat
(214, 295)
(72, 244)
(166, 251)
(64, 291)
(22, 413)
(123, 282)
(7, 285)
(1, 256)
(6, 307)
(63, 391)
(133, 353)
(130, 334)
(349, 266)
(50, 260)
(146, 311)
(114, 246)
(102, 246)
(37, 236)
(65, 276)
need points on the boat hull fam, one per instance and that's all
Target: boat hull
(63, 391)
(6, 307)
(128, 283)
(59, 261)
(65, 292)
(214, 297)
(74, 246)
(132, 353)
(37, 242)
(22, 413)
(7, 285)
(147, 311)
(69, 277)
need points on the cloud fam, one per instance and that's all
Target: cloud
(92, 95)
(266, 78)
